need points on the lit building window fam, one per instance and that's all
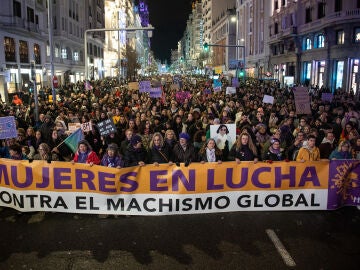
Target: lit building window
(57, 51)
(357, 35)
(308, 44)
(76, 56)
(63, 53)
(340, 37)
(320, 41)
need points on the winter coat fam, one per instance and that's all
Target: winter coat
(133, 156)
(162, 155)
(181, 155)
(92, 157)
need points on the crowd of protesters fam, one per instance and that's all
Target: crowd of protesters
(175, 128)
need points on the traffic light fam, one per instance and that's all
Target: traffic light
(241, 73)
(206, 47)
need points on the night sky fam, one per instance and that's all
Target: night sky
(169, 19)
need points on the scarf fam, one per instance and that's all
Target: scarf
(210, 155)
(82, 157)
(274, 151)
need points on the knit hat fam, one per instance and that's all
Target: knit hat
(135, 139)
(184, 135)
(112, 146)
(274, 140)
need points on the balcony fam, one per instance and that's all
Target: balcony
(333, 18)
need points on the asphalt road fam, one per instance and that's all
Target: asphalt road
(238, 240)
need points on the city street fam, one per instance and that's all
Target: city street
(238, 240)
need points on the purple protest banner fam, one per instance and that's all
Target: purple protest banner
(7, 127)
(327, 97)
(144, 86)
(344, 183)
(235, 82)
(155, 92)
(182, 95)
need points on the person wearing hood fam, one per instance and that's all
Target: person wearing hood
(342, 152)
(135, 154)
(46, 128)
(327, 145)
(274, 153)
(85, 154)
(309, 151)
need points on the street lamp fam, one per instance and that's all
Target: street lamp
(149, 28)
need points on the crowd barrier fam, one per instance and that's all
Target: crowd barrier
(169, 189)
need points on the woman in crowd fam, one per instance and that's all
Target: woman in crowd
(244, 149)
(15, 152)
(170, 138)
(184, 150)
(112, 157)
(85, 154)
(355, 148)
(343, 151)
(274, 153)
(135, 154)
(159, 151)
(44, 153)
(210, 152)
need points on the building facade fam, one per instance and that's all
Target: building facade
(315, 43)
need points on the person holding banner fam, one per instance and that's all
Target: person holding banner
(244, 149)
(159, 151)
(309, 152)
(85, 154)
(274, 153)
(210, 152)
(135, 154)
(342, 151)
(112, 157)
(184, 151)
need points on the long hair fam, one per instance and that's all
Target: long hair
(152, 140)
(250, 142)
(203, 148)
(342, 143)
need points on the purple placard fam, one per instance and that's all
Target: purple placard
(7, 127)
(235, 82)
(155, 92)
(144, 86)
(344, 183)
(327, 97)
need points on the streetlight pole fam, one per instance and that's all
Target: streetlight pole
(149, 28)
(51, 45)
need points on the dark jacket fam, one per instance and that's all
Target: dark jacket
(133, 156)
(162, 155)
(269, 155)
(243, 153)
(187, 156)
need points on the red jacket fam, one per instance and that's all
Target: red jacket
(91, 157)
